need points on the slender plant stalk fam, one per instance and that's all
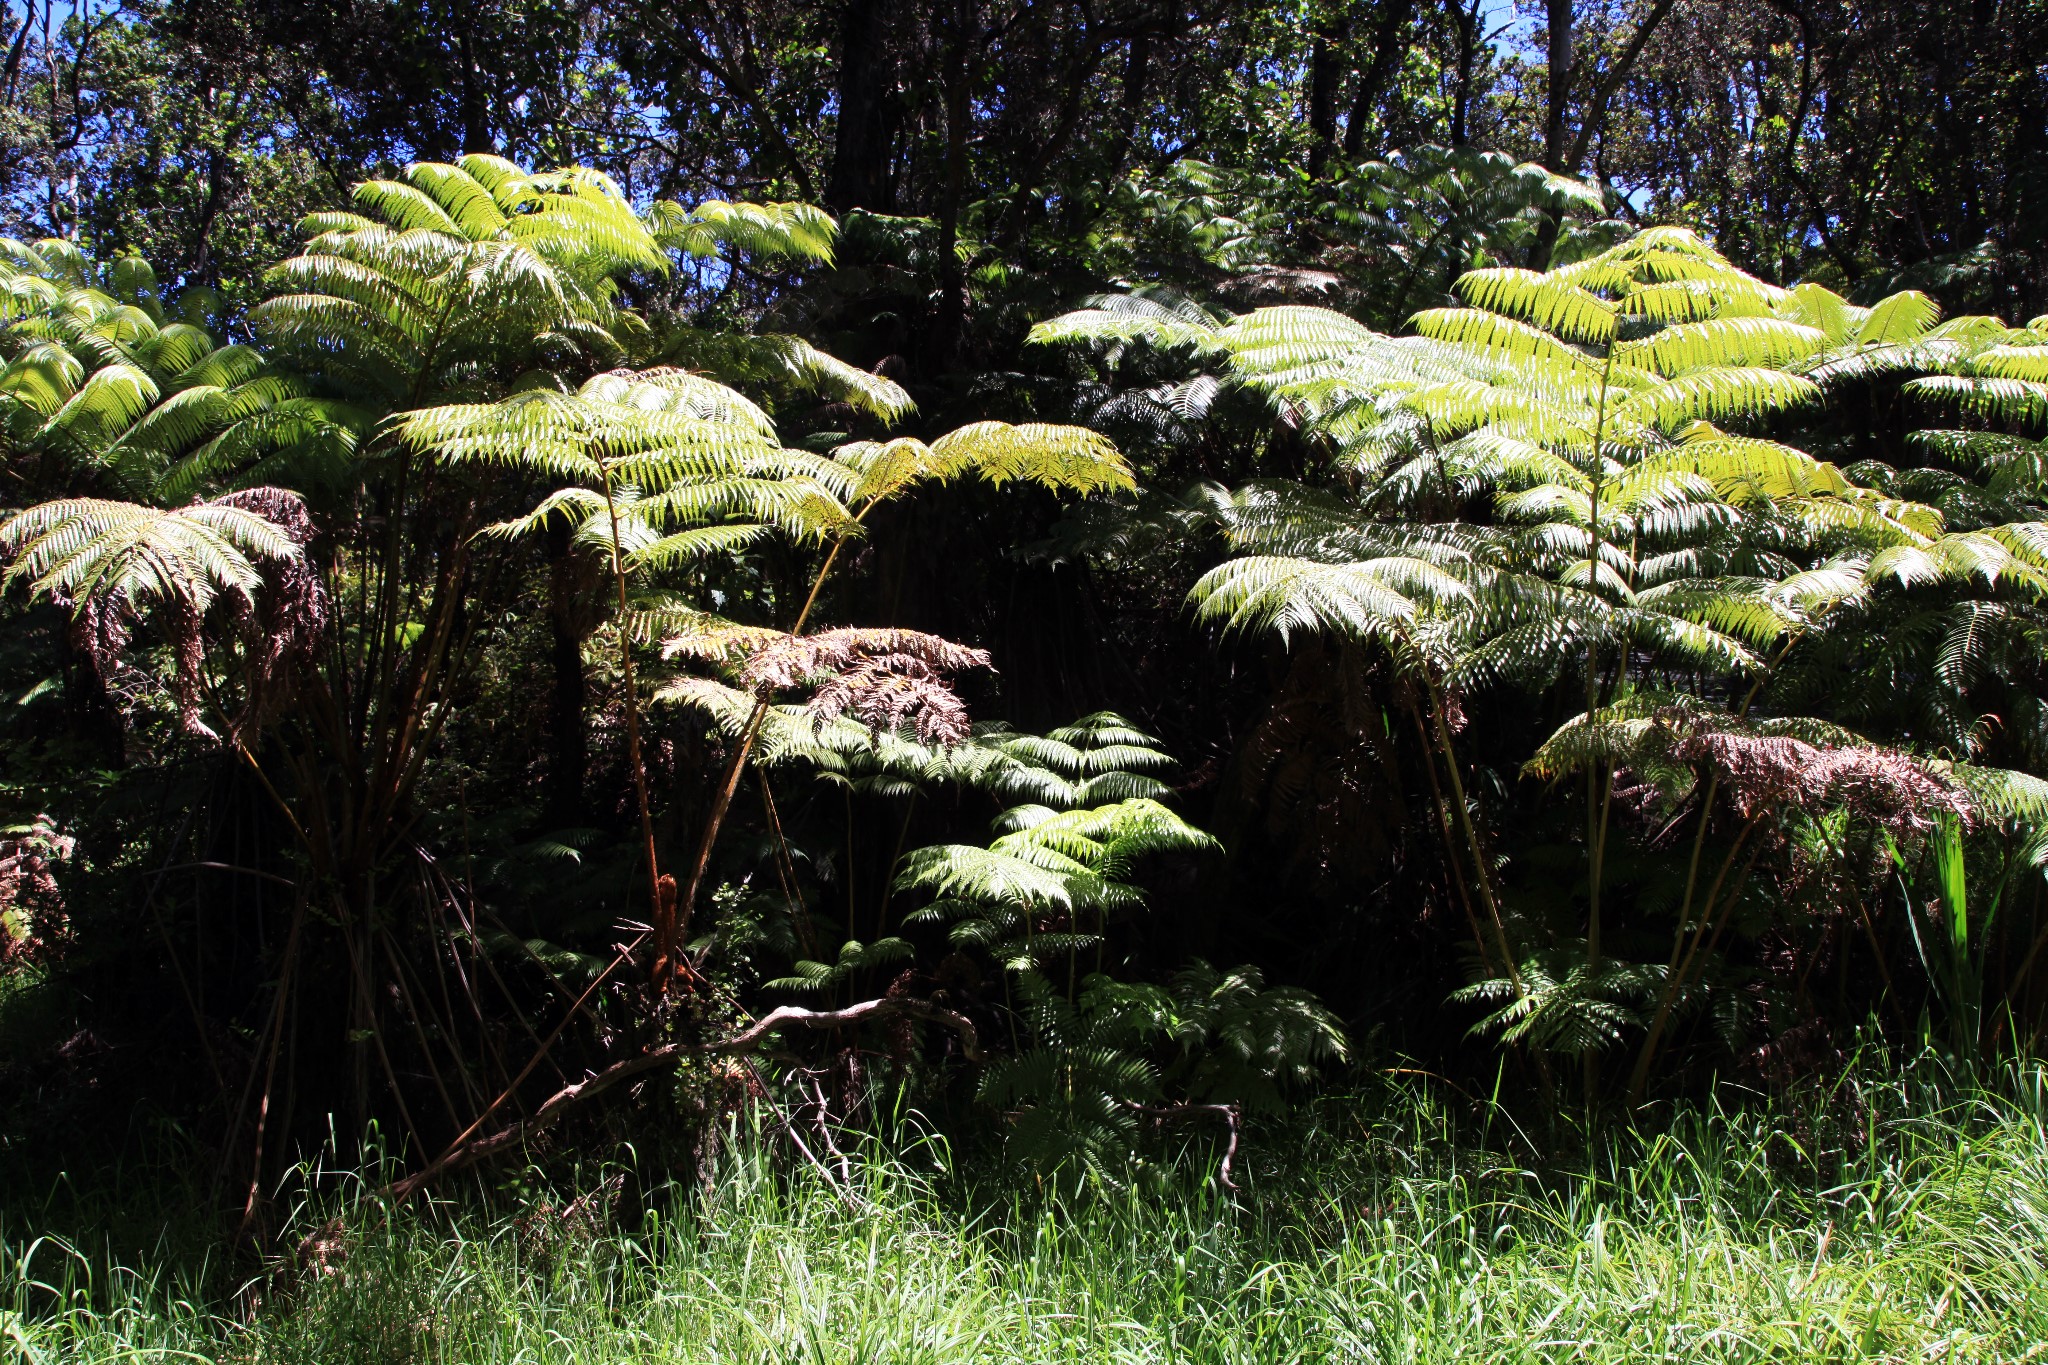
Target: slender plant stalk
(852, 929)
(785, 868)
(895, 856)
(1599, 776)
(1668, 997)
(623, 956)
(664, 909)
(1451, 857)
(646, 828)
(1674, 984)
(1482, 872)
(686, 902)
(285, 978)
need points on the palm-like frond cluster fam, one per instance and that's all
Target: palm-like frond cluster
(445, 375)
(1568, 479)
(1063, 458)
(112, 562)
(1778, 768)
(111, 381)
(1043, 891)
(1104, 1057)
(457, 277)
(661, 466)
(1562, 1002)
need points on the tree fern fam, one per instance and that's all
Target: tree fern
(83, 549)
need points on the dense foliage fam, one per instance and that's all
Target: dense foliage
(575, 571)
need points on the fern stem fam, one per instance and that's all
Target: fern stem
(1443, 822)
(713, 822)
(286, 975)
(785, 867)
(1674, 984)
(889, 873)
(1483, 873)
(1601, 776)
(1668, 998)
(665, 945)
(852, 928)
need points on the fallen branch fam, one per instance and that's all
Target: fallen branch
(1227, 1112)
(786, 1016)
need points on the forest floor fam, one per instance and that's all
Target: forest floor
(1385, 1230)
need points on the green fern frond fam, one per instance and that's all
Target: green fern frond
(1368, 600)
(965, 872)
(1717, 394)
(1722, 342)
(1505, 338)
(1555, 304)
(92, 549)
(1159, 317)
(1062, 458)
(874, 394)
(1898, 319)
(1996, 399)
(790, 231)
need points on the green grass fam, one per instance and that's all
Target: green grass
(1384, 1232)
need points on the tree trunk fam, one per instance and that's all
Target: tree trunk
(476, 122)
(866, 128)
(952, 309)
(1322, 97)
(1137, 68)
(1593, 114)
(1467, 20)
(201, 255)
(1556, 124)
(1389, 46)
(1558, 86)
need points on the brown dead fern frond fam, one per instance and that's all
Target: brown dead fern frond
(892, 693)
(801, 660)
(887, 679)
(1761, 772)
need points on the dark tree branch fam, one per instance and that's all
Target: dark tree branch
(1595, 113)
(465, 1153)
(1389, 45)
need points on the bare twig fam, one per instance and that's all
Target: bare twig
(786, 1016)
